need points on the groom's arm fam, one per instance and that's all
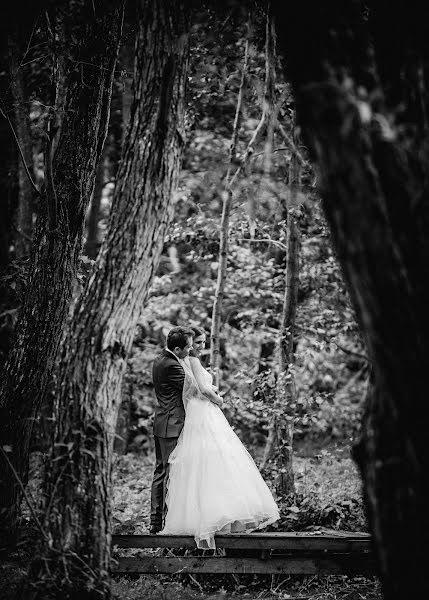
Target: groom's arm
(176, 375)
(205, 389)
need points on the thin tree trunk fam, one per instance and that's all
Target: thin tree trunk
(286, 390)
(279, 448)
(8, 194)
(266, 353)
(24, 211)
(122, 429)
(99, 339)
(8, 201)
(267, 121)
(92, 229)
(224, 228)
(363, 109)
(69, 179)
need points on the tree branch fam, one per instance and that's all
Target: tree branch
(267, 240)
(289, 141)
(282, 149)
(224, 226)
(351, 352)
(339, 346)
(269, 112)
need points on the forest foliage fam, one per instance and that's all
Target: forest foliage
(328, 345)
(331, 366)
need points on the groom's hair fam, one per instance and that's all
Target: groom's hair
(178, 337)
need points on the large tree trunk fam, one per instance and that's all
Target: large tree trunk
(90, 45)
(363, 109)
(101, 332)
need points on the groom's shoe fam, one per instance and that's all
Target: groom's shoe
(154, 529)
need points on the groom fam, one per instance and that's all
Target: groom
(168, 378)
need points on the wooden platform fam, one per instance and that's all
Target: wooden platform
(304, 553)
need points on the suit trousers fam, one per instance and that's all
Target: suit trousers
(163, 448)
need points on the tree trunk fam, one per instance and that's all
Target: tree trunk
(122, 429)
(24, 210)
(92, 237)
(224, 229)
(279, 449)
(266, 353)
(8, 202)
(101, 332)
(8, 193)
(363, 110)
(126, 61)
(92, 44)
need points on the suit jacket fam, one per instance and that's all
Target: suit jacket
(168, 377)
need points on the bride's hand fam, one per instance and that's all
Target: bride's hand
(218, 401)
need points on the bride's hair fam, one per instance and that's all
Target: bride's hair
(198, 330)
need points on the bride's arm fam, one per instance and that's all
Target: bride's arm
(205, 388)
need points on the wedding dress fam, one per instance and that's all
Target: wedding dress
(214, 485)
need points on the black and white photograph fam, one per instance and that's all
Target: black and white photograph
(214, 300)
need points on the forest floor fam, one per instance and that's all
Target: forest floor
(328, 496)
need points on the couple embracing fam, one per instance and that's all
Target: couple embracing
(205, 482)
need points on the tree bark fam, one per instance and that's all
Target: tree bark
(8, 193)
(91, 42)
(279, 448)
(126, 61)
(92, 237)
(359, 76)
(122, 429)
(101, 332)
(24, 210)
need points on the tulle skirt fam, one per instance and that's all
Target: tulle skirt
(214, 485)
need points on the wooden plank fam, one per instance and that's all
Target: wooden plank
(359, 564)
(287, 541)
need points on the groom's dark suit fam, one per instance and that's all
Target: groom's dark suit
(168, 378)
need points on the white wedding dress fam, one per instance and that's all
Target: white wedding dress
(214, 486)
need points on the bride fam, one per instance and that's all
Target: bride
(214, 486)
